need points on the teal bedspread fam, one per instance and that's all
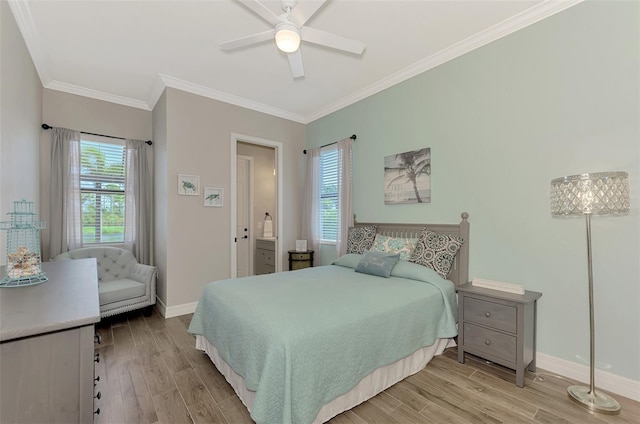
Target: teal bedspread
(300, 339)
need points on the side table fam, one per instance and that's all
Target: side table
(498, 326)
(300, 260)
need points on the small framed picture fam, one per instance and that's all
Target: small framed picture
(213, 197)
(188, 185)
(301, 245)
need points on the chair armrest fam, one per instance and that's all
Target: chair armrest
(145, 274)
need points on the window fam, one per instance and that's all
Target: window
(102, 185)
(329, 194)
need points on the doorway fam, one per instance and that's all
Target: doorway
(253, 193)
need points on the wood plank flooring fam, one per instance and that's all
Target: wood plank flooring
(150, 372)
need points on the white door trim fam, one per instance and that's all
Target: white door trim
(235, 138)
(250, 225)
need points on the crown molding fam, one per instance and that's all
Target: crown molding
(211, 93)
(95, 94)
(522, 20)
(22, 14)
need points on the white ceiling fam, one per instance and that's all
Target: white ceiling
(127, 52)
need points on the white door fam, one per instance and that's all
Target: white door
(243, 207)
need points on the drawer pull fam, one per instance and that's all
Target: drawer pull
(487, 342)
(97, 411)
(98, 396)
(487, 314)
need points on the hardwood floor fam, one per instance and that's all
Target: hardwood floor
(151, 373)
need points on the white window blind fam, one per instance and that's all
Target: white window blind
(329, 194)
(102, 187)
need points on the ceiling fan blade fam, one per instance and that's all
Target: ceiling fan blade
(334, 41)
(262, 11)
(248, 40)
(295, 64)
(304, 10)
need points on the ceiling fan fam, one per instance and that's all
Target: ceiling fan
(289, 30)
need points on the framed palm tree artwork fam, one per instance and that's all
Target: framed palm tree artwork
(407, 177)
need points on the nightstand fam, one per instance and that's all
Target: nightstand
(299, 260)
(498, 326)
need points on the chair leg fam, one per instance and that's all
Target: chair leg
(147, 311)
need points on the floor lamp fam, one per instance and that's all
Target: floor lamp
(604, 193)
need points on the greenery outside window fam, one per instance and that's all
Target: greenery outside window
(329, 194)
(102, 188)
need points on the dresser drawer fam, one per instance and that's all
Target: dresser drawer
(266, 257)
(266, 244)
(490, 314)
(490, 342)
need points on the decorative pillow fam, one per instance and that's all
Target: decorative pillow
(436, 251)
(403, 246)
(360, 239)
(377, 263)
(349, 260)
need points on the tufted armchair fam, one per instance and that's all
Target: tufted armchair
(123, 284)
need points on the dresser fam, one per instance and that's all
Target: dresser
(265, 260)
(498, 326)
(47, 346)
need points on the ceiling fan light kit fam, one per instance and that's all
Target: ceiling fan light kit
(287, 37)
(290, 30)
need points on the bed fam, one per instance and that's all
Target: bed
(306, 345)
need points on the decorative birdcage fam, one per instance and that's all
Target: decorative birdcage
(24, 262)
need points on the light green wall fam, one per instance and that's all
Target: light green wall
(560, 97)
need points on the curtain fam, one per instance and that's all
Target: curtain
(311, 225)
(65, 227)
(138, 229)
(345, 207)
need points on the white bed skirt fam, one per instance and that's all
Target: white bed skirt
(374, 383)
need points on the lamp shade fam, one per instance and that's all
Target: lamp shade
(602, 193)
(287, 37)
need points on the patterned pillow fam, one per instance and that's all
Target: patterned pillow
(436, 251)
(403, 246)
(379, 264)
(360, 239)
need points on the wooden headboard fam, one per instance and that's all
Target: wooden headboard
(459, 273)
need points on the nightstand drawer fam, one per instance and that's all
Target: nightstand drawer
(305, 256)
(490, 342)
(490, 314)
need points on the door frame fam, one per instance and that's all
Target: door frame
(249, 159)
(279, 151)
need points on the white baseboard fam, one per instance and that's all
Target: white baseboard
(603, 380)
(175, 311)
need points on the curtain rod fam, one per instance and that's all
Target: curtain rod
(48, 127)
(353, 137)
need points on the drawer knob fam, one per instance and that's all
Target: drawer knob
(97, 339)
(98, 396)
(95, 381)
(97, 411)
(96, 358)
(487, 342)
(487, 314)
